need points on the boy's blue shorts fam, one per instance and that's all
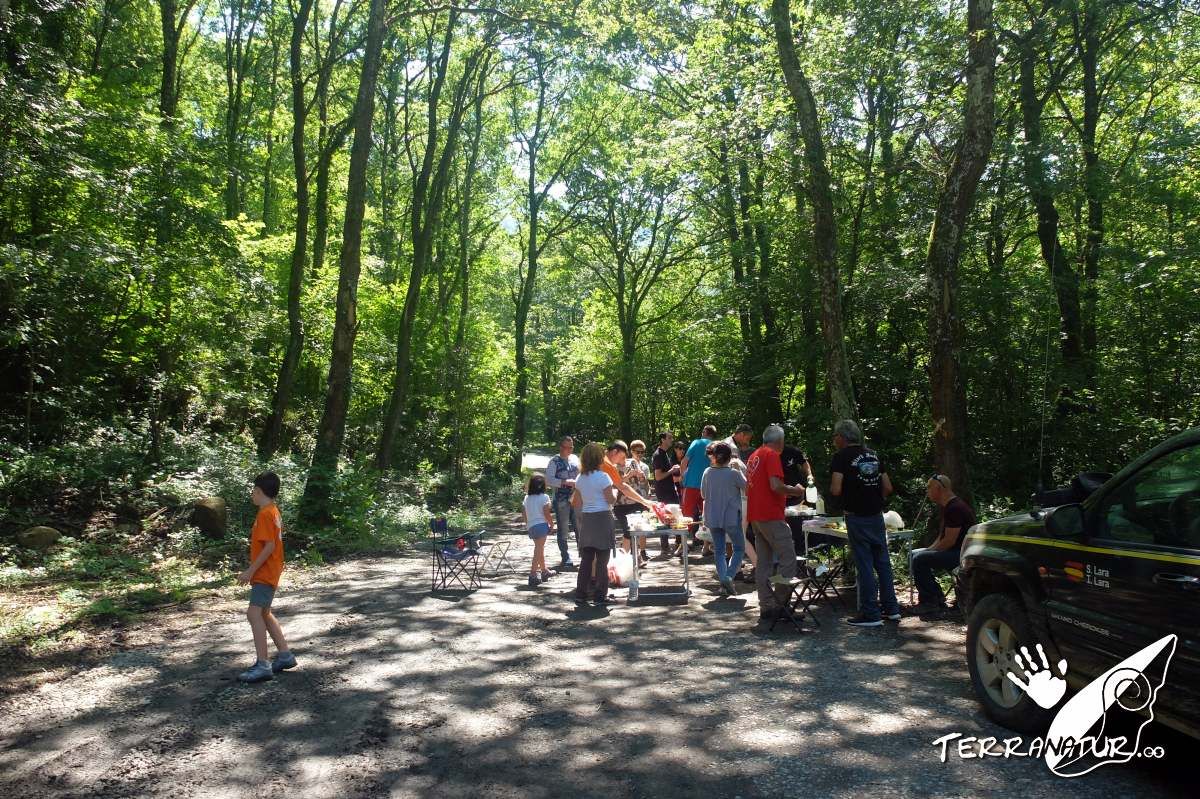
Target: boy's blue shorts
(261, 595)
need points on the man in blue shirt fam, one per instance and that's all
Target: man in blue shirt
(694, 462)
(561, 472)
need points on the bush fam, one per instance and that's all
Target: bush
(105, 572)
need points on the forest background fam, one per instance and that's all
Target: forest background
(386, 247)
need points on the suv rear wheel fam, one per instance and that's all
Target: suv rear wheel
(996, 631)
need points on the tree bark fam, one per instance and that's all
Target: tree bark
(332, 428)
(269, 442)
(820, 193)
(957, 196)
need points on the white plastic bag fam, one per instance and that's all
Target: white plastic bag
(620, 568)
(892, 521)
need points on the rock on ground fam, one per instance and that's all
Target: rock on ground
(39, 537)
(210, 516)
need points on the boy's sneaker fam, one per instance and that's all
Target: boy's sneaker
(259, 672)
(282, 662)
(864, 621)
(727, 584)
(546, 575)
(533, 581)
(892, 616)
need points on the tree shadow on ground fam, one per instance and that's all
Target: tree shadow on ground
(507, 692)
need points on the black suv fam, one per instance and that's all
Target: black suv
(1093, 581)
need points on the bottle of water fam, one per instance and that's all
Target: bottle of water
(633, 590)
(810, 493)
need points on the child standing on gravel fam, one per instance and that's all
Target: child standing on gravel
(266, 564)
(535, 510)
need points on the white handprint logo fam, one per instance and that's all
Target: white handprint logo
(1041, 684)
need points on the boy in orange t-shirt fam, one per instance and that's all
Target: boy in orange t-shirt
(266, 564)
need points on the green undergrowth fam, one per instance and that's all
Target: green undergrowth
(127, 547)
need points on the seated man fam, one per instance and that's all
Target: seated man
(942, 555)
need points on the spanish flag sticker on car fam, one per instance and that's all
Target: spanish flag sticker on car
(1074, 571)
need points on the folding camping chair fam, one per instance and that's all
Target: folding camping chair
(456, 558)
(495, 557)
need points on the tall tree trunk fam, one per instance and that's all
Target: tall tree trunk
(1063, 276)
(948, 394)
(336, 138)
(1089, 52)
(269, 214)
(429, 193)
(239, 41)
(269, 442)
(802, 257)
(820, 192)
(772, 402)
(332, 428)
(173, 21)
(625, 384)
(528, 280)
(734, 238)
(459, 359)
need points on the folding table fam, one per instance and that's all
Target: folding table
(656, 591)
(817, 526)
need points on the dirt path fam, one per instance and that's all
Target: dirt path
(513, 692)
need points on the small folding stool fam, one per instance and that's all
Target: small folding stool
(801, 596)
(824, 575)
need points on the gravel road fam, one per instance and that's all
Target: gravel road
(513, 692)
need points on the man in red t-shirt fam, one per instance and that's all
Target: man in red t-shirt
(766, 497)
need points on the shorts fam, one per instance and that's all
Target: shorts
(261, 595)
(539, 530)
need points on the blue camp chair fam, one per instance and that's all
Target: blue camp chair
(456, 558)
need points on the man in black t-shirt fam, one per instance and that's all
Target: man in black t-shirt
(795, 469)
(858, 477)
(942, 554)
(664, 471)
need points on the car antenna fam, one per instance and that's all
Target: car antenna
(1045, 386)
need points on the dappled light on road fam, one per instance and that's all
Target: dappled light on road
(513, 692)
